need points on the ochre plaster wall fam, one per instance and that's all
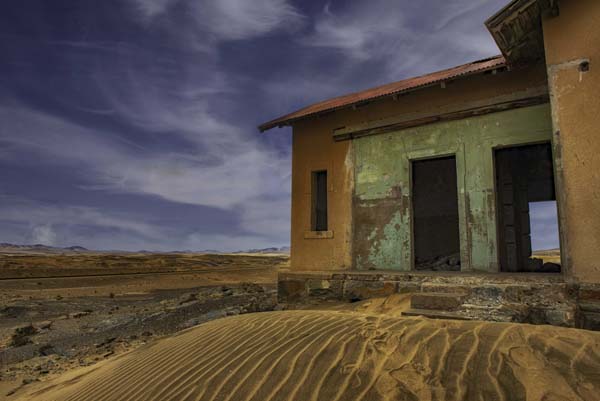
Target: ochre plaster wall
(314, 149)
(570, 38)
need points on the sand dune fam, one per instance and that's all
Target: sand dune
(340, 355)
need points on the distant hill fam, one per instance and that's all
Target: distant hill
(283, 249)
(40, 248)
(46, 249)
(76, 248)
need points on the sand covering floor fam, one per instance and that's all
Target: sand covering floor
(345, 355)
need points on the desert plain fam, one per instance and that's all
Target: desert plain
(84, 326)
(60, 310)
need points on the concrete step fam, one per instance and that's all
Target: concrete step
(446, 288)
(590, 320)
(434, 314)
(447, 301)
(590, 306)
(589, 315)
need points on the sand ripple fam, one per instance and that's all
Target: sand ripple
(330, 355)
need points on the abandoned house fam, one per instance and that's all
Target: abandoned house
(425, 185)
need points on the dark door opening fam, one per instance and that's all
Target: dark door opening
(435, 214)
(525, 188)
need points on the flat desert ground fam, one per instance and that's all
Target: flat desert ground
(340, 351)
(61, 311)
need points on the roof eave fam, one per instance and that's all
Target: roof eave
(517, 30)
(285, 121)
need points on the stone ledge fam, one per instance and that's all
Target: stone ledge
(318, 234)
(374, 275)
(447, 301)
(527, 298)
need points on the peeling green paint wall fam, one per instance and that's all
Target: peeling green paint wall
(382, 200)
(385, 251)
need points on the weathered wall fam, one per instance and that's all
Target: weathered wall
(570, 38)
(314, 149)
(382, 204)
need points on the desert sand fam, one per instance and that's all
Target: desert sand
(361, 351)
(86, 264)
(60, 311)
(548, 255)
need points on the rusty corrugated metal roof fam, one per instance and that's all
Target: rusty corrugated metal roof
(387, 90)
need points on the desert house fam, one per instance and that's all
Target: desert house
(424, 185)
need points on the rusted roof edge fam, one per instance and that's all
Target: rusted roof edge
(288, 119)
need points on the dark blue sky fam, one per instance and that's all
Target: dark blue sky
(131, 124)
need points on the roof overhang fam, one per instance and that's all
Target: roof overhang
(388, 91)
(517, 29)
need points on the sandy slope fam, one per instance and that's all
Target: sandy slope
(346, 355)
(88, 306)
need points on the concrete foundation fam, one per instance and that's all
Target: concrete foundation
(526, 298)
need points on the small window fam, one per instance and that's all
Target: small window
(319, 201)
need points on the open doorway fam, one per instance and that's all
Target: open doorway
(527, 214)
(435, 214)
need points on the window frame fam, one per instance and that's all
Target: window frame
(315, 224)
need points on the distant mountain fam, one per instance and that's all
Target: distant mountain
(212, 251)
(283, 249)
(39, 248)
(46, 249)
(76, 248)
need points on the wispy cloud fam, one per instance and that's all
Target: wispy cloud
(241, 19)
(230, 177)
(44, 218)
(153, 8)
(43, 234)
(226, 19)
(431, 34)
(27, 221)
(360, 30)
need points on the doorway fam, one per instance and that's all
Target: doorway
(435, 214)
(525, 189)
